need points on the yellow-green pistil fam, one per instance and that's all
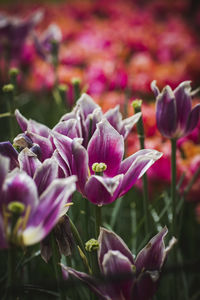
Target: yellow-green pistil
(99, 168)
(16, 207)
(92, 245)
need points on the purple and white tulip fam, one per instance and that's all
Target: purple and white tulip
(126, 277)
(30, 208)
(106, 147)
(175, 116)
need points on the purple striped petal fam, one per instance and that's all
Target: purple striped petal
(7, 150)
(116, 264)
(44, 143)
(128, 123)
(108, 240)
(64, 147)
(45, 174)
(166, 116)
(22, 121)
(103, 190)
(86, 104)
(152, 256)
(63, 170)
(20, 187)
(68, 128)
(107, 146)
(80, 164)
(28, 161)
(38, 128)
(52, 206)
(193, 119)
(183, 103)
(88, 280)
(140, 164)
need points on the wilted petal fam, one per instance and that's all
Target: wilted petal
(116, 264)
(20, 187)
(140, 164)
(108, 240)
(7, 150)
(63, 235)
(88, 280)
(106, 146)
(44, 144)
(166, 116)
(103, 190)
(45, 174)
(183, 103)
(46, 250)
(193, 119)
(52, 206)
(28, 161)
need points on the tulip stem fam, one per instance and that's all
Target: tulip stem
(56, 266)
(98, 219)
(76, 236)
(11, 272)
(141, 135)
(173, 184)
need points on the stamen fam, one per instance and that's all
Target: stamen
(99, 167)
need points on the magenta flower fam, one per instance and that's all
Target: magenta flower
(30, 208)
(174, 114)
(139, 276)
(105, 150)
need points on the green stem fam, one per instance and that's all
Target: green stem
(141, 135)
(11, 272)
(173, 184)
(76, 236)
(98, 219)
(56, 266)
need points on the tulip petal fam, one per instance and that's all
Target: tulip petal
(45, 174)
(166, 112)
(68, 128)
(28, 161)
(108, 240)
(89, 280)
(103, 190)
(51, 208)
(183, 103)
(80, 164)
(152, 256)
(7, 150)
(22, 121)
(20, 187)
(193, 119)
(154, 88)
(116, 264)
(107, 146)
(140, 164)
(44, 144)
(128, 123)
(86, 104)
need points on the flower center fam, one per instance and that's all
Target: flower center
(99, 168)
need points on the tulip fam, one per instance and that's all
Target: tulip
(174, 114)
(126, 277)
(30, 208)
(103, 175)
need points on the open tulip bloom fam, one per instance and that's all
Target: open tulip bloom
(102, 174)
(30, 208)
(174, 114)
(137, 278)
